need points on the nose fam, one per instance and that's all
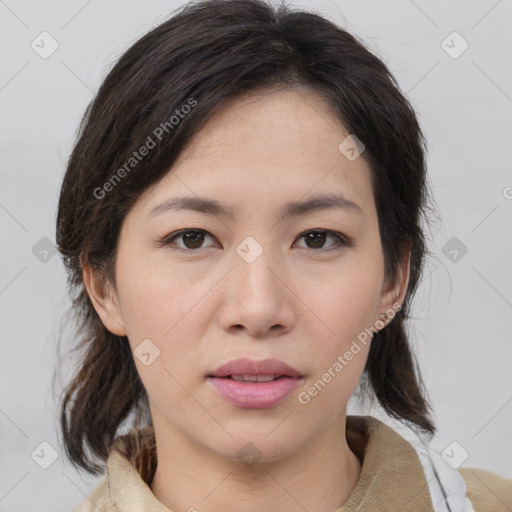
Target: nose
(258, 300)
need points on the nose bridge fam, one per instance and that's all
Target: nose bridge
(255, 266)
(256, 298)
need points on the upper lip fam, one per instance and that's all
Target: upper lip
(249, 367)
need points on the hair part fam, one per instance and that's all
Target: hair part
(215, 51)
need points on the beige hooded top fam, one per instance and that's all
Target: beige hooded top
(392, 478)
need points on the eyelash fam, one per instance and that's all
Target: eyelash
(341, 239)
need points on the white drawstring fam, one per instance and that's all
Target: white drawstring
(446, 485)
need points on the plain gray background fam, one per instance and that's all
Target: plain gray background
(464, 307)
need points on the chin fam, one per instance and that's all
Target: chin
(256, 447)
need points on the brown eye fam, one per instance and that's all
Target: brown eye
(315, 239)
(191, 239)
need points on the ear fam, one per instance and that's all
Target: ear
(104, 300)
(393, 293)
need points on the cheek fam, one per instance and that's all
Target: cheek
(155, 298)
(347, 300)
(170, 309)
(349, 306)
(166, 310)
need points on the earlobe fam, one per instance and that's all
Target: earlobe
(104, 301)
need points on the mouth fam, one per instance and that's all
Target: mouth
(250, 384)
(259, 371)
(254, 378)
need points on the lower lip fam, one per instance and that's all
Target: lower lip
(255, 395)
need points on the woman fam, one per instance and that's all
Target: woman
(241, 223)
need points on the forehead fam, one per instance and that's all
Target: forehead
(265, 150)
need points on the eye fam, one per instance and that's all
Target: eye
(192, 239)
(316, 239)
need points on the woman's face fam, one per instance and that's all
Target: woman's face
(256, 276)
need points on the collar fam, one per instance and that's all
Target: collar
(391, 479)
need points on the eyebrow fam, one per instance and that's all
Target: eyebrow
(290, 209)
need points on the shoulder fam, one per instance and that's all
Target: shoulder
(487, 491)
(98, 499)
(129, 469)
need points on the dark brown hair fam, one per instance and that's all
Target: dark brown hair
(206, 54)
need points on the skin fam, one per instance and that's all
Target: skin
(301, 302)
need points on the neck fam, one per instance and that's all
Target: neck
(320, 477)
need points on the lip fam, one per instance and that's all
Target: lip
(250, 367)
(255, 395)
